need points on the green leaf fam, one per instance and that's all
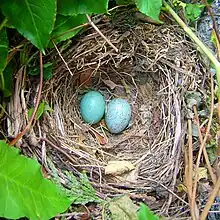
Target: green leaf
(65, 23)
(24, 192)
(42, 108)
(124, 2)
(123, 209)
(150, 8)
(144, 213)
(193, 11)
(47, 71)
(8, 78)
(3, 49)
(75, 7)
(33, 19)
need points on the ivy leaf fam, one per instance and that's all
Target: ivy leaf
(3, 49)
(145, 213)
(150, 8)
(24, 192)
(64, 24)
(33, 19)
(75, 7)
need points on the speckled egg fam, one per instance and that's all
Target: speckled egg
(92, 107)
(118, 115)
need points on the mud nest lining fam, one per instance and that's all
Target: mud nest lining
(154, 67)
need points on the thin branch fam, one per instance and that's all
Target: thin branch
(100, 33)
(62, 59)
(59, 149)
(190, 171)
(210, 201)
(204, 140)
(213, 177)
(15, 140)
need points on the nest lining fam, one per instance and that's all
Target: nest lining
(155, 66)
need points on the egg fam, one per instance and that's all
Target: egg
(92, 107)
(118, 115)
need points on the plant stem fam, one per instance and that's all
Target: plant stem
(2, 81)
(192, 35)
(3, 23)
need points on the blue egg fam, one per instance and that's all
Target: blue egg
(92, 107)
(118, 115)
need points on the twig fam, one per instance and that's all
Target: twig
(210, 200)
(36, 105)
(62, 59)
(190, 160)
(204, 140)
(59, 149)
(204, 149)
(100, 33)
(170, 191)
(190, 171)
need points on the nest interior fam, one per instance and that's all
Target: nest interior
(155, 65)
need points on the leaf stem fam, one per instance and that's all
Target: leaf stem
(192, 35)
(2, 80)
(3, 23)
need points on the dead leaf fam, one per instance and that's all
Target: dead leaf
(127, 88)
(202, 173)
(85, 79)
(123, 209)
(131, 176)
(102, 139)
(118, 167)
(181, 188)
(109, 83)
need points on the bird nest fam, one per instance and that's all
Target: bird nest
(153, 69)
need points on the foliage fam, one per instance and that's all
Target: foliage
(125, 2)
(33, 19)
(47, 70)
(81, 191)
(8, 79)
(42, 108)
(191, 11)
(75, 7)
(42, 21)
(24, 192)
(150, 8)
(3, 49)
(145, 213)
(65, 23)
(123, 208)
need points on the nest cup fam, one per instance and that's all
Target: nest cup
(155, 65)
